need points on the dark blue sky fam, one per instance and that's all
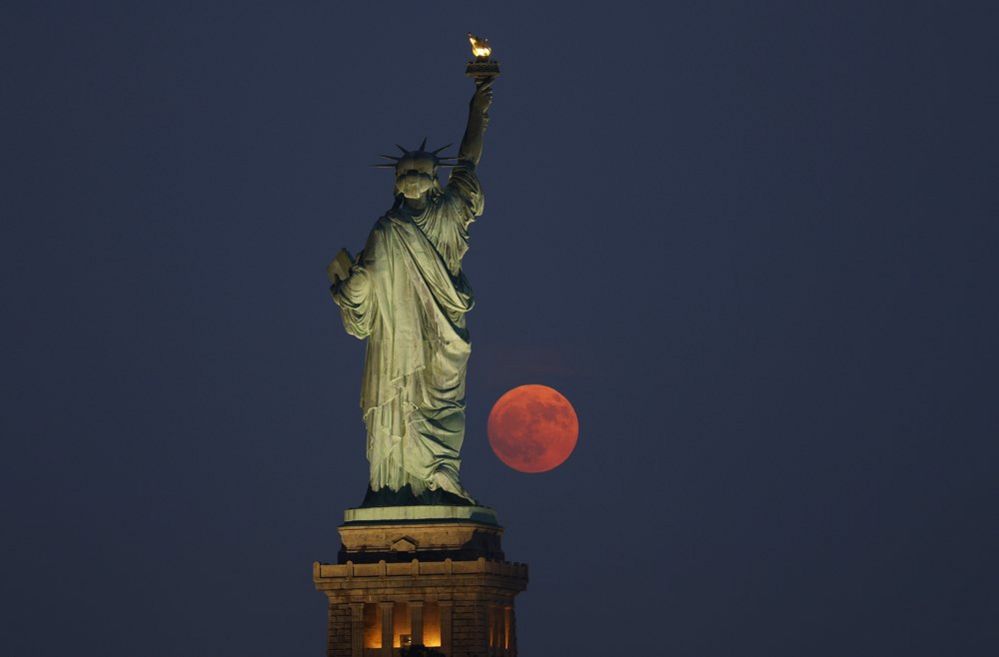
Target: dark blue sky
(754, 243)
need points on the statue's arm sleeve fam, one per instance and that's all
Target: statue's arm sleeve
(356, 301)
(463, 194)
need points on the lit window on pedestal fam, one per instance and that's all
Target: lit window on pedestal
(372, 626)
(499, 627)
(495, 625)
(401, 624)
(506, 628)
(431, 625)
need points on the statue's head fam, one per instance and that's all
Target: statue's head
(416, 170)
(415, 174)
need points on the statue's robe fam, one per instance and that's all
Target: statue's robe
(408, 297)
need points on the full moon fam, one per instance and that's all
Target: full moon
(533, 428)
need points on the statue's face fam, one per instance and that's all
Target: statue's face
(415, 176)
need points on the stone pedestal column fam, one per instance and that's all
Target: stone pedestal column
(447, 635)
(416, 621)
(385, 609)
(356, 629)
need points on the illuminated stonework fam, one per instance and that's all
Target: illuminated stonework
(462, 607)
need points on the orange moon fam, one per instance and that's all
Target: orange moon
(533, 428)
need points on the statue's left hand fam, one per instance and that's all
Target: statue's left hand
(339, 268)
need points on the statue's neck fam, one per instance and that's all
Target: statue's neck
(416, 205)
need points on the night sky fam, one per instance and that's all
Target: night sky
(753, 243)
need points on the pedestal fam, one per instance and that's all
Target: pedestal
(412, 575)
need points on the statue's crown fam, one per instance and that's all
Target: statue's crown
(419, 153)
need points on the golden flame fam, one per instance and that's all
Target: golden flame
(480, 47)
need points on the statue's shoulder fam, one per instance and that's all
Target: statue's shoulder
(378, 232)
(390, 222)
(386, 220)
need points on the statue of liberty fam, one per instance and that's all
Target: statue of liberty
(405, 293)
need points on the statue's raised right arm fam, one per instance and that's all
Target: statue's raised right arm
(478, 118)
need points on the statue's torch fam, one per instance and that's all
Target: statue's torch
(481, 68)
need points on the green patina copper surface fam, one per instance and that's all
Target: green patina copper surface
(406, 295)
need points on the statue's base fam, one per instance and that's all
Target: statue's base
(426, 574)
(430, 539)
(420, 513)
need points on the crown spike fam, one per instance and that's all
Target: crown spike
(383, 166)
(391, 157)
(404, 151)
(442, 148)
(424, 144)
